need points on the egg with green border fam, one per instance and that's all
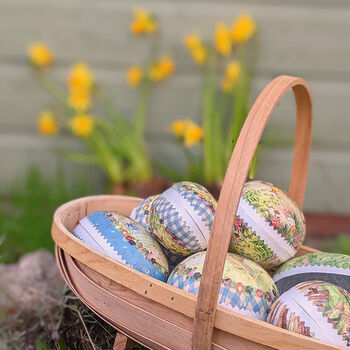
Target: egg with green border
(182, 218)
(141, 214)
(269, 228)
(329, 267)
(315, 309)
(245, 288)
(123, 240)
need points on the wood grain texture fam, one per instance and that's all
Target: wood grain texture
(122, 342)
(170, 329)
(235, 178)
(158, 327)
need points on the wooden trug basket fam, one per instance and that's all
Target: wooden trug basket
(158, 315)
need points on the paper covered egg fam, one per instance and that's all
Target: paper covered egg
(141, 214)
(124, 240)
(316, 309)
(269, 227)
(246, 287)
(182, 218)
(328, 267)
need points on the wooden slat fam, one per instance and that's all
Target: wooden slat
(177, 98)
(326, 192)
(98, 31)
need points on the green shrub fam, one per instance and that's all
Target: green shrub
(26, 212)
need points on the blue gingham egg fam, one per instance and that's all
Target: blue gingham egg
(182, 218)
(141, 214)
(245, 288)
(124, 240)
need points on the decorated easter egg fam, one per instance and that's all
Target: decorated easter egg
(182, 217)
(316, 309)
(124, 240)
(245, 288)
(328, 267)
(269, 227)
(141, 214)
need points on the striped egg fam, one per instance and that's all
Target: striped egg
(123, 240)
(269, 228)
(141, 214)
(315, 309)
(182, 218)
(328, 267)
(245, 288)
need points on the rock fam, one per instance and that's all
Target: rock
(34, 278)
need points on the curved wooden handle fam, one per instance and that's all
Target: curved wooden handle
(235, 178)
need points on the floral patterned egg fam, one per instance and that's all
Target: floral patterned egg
(328, 267)
(141, 214)
(182, 218)
(316, 309)
(246, 287)
(269, 227)
(124, 240)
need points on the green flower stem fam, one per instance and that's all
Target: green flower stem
(54, 89)
(252, 168)
(218, 138)
(140, 115)
(240, 109)
(208, 104)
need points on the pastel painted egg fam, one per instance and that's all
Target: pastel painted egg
(269, 227)
(124, 240)
(316, 309)
(182, 218)
(246, 287)
(328, 267)
(141, 214)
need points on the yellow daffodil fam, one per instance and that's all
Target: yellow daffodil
(232, 74)
(167, 66)
(80, 99)
(243, 29)
(192, 41)
(178, 127)
(82, 125)
(40, 55)
(222, 39)
(196, 48)
(47, 124)
(143, 23)
(233, 70)
(80, 77)
(134, 75)
(162, 69)
(155, 73)
(193, 134)
(199, 55)
(226, 85)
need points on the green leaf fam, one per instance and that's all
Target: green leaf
(61, 344)
(83, 158)
(39, 345)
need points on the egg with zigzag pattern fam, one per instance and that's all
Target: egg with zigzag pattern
(245, 287)
(182, 218)
(123, 240)
(269, 227)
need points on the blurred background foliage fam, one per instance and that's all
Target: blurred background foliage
(26, 211)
